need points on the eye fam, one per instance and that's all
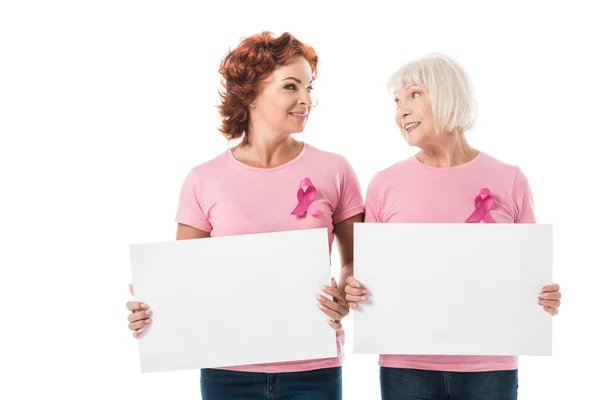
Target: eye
(309, 89)
(414, 94)
(291, 86)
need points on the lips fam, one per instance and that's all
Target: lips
(410, 126)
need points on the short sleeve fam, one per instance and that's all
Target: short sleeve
(351, 201)
(189, 211)
(372, 203)
(523, 200)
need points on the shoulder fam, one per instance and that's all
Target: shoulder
(212, 165)
(392, 173)
(315, 153)
(509, 174)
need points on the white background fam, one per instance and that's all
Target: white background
(106, 105)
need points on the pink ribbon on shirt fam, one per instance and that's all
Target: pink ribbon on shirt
(305, 199)
(483, 204)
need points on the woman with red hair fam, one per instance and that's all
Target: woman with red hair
(266, 96)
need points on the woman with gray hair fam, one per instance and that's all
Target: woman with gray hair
(435, 106)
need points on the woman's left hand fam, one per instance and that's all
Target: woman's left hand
(549, 299)
(336, 309)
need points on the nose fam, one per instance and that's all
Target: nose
(403, 111)
(306, 99)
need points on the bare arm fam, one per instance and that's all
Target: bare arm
(338, 308)
(187, 232)
(344, 233)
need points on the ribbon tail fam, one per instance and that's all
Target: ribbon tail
(488, 219)
(300, 209)
(475, 217)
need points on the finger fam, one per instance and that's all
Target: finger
(336, 316)
(353, 305)
(356, 299)
(341, 307)
(138, 316)
(138, 333)
(335, 325)
(134, 326)
(136, 306)
(551, 288)
(551, 311)
(131, 289)
(333, 283)
(333, 292)
(355, 291)
(550, 296)
(549, 303)
(329, 304)
(353, 282)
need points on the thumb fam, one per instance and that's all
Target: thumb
(352, 282)
(333, 283)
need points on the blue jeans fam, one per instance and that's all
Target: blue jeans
(408, 384)
(320, 384)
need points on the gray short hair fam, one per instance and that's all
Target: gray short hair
(452, 98)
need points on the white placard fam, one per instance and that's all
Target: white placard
(234, 300)
(462, 289)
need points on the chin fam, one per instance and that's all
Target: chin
(296, 130)
(412, 142)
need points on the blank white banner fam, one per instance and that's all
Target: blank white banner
(233, 300)
(462, 289)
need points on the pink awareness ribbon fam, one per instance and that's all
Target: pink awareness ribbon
(483, 204)
(305, 199)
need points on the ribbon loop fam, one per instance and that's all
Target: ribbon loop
(305, 199)
(483, 204)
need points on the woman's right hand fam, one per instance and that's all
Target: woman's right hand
(139, 317)
(355, 292)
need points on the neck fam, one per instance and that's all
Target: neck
(451, 150)
(268, 151)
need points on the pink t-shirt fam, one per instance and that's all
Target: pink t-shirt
(225, 197)
(411, 191)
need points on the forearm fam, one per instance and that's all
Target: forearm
(347, 270)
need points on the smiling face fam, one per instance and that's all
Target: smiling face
(414, 115)
(283, 102)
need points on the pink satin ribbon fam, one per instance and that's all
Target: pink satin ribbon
(483, 204)
(305, 199)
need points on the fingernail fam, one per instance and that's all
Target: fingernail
(363, 298)
(140, 332)
(365, 291)
(540, 302)
(323, 287)
(318, 296)
(148, 312)
(148, 321)
(540, 295)
(320, 306)
(143, 306)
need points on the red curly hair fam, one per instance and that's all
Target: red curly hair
(243, 68)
